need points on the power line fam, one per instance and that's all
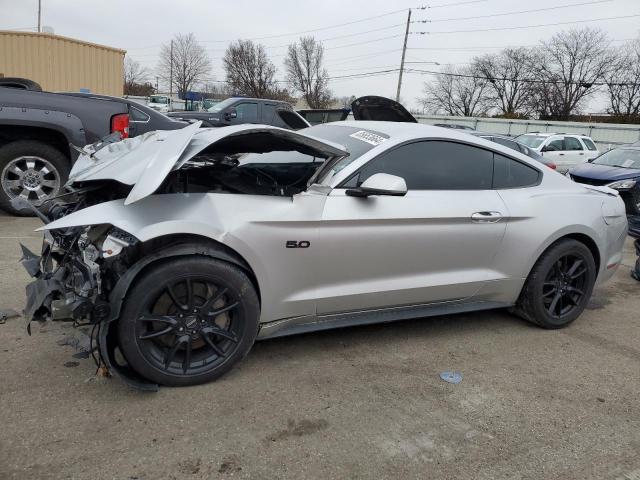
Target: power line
(521, 80)
(528, 26)
(341, 60)
(480, 48)
(453, 4)
(557, 7)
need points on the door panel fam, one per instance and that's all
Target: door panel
(424, 247)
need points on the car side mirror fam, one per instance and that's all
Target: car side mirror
(380, 184)
(231, 114)
(546, 148)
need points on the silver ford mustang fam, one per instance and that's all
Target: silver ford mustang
(183, 248)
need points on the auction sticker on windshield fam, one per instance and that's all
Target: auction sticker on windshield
(368, 137)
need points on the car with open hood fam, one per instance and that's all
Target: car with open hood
(183, 248)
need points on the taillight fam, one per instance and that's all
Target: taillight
(120, 123)
(552, 165)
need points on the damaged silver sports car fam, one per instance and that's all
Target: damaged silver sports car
(184, 247)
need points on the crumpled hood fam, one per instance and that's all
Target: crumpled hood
(146, 160)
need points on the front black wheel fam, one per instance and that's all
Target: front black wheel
(559, 286)
(188, 321)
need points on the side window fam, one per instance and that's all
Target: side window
(590, 145)
(247, 113)
(292, 119)
(508, 173)
(138, 115)
(555, 145)
(433, 165)
(268, 112)
(572, 143)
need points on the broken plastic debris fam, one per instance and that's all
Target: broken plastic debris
(451, 377)
(7, 313)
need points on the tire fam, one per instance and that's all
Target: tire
(200, 343)
(565, 273)
(32, 169)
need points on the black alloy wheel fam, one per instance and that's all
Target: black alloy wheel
(564, 286)
(559, 285)
(188, 321)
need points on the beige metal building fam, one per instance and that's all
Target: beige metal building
(61, 64)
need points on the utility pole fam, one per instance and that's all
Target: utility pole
(39, 14)
(157, 84)
(404, 51)
(171, 70)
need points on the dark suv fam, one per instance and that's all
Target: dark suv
(237, 110)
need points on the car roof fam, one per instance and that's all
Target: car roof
(395, 129)
(405, 131)
(549, 134)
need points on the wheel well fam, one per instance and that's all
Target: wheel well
(589, 243)
(12, 133)
(169, 246)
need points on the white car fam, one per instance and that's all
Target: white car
(184, 247)
(565, 150)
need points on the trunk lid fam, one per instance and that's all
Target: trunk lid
(383, 109)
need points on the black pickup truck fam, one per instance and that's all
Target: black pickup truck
(237, 110)
(38, 128)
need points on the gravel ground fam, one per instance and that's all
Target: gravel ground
(355, 403)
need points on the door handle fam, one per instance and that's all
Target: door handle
(486, 217)
(581, 153)
(561, 154)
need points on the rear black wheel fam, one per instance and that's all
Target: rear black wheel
(559, 286)
(188, 321)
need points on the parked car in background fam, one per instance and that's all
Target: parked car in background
(453, 125)
(37, 128)
(316, 116)
(160, 103)
(170, 246)
(618, 169)
(518, 147)
(565, 150)
(239, 110)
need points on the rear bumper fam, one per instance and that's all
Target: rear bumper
(612, 259)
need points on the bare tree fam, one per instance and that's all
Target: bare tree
(134, 75)
(456, 91)
(345, 102)
(190, 63)
(509, 75)
(249, 70)
(569, 64)
(306, 74)
(623, 81)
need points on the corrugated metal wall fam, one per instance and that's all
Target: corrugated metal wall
(60, 63)
(606, 135)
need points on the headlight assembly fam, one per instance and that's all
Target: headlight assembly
(622, 184)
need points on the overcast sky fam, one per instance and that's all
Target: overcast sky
(141, 26)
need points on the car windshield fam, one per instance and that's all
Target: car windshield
(221, 105)
(620, 157)
(531, 141)
(362, 142)
(357, 141)
(162, 100)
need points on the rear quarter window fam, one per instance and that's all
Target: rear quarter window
(509, 173)
(589, 144)
(292, 120)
